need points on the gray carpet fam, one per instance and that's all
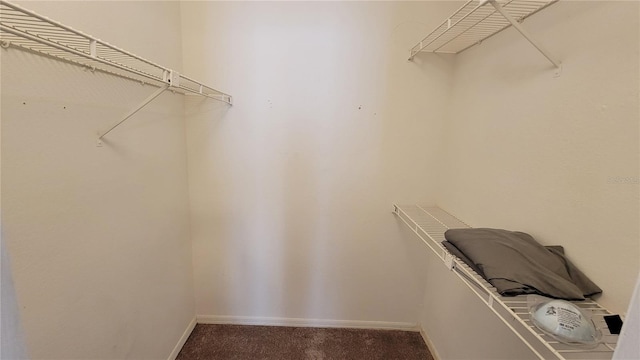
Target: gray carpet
(288, 343)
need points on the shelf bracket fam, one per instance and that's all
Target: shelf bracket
(132, 112)
(524, 33)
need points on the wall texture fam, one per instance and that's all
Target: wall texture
(628, 346)
(98, 236)
(11, 335)
(292, 187)
(555, 157)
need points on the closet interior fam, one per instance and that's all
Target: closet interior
(271, 207)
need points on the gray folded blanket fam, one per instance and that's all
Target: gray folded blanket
(515, 263)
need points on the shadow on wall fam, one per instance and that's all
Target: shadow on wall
(280, 255)
(12, 345)
(292, 187)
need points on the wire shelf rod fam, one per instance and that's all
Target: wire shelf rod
(76, 52)
(479, 20)
(25, 23)
(474, 22)
(446, 24)
(506, 308)
(27, 30)
(524, 33)
(487, 296)
(74, 31)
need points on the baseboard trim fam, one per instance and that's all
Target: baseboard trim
(276, 321)
(432, 349)
(183, 339)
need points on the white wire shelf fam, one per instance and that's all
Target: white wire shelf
(476, 21)
(429, 224)
(27, 30)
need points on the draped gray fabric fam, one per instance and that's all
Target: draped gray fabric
(515, 263)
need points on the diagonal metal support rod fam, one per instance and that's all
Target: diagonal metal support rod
(522, 31)
(132, 112)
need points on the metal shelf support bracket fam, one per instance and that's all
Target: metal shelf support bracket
(525, 33)
(24, 29)
(475, 21)
(144, 103)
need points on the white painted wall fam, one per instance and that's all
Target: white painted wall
(11, 336)
(98, 237)
(292, 187)
(628, 346)
(555, 157)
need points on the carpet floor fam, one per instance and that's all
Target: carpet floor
(239, 342)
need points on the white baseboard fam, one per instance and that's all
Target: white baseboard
(273, 321)
(183, 339)
(432, 349)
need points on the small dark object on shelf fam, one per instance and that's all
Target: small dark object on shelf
(614, 322)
